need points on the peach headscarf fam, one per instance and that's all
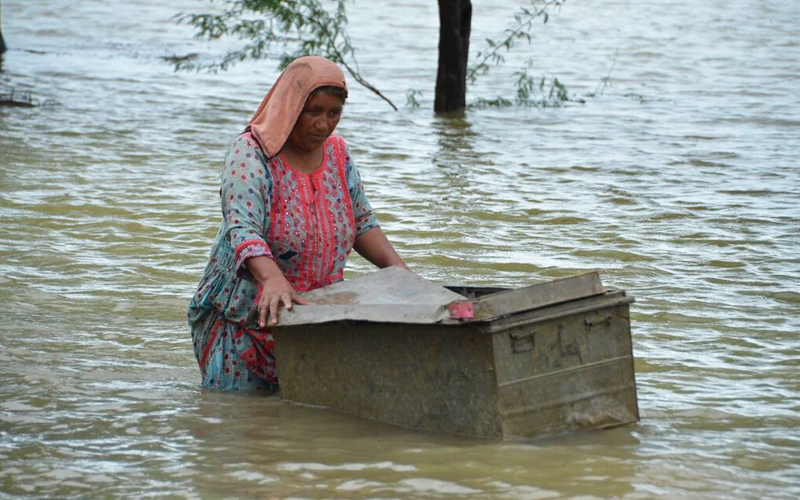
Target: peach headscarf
(274, 119)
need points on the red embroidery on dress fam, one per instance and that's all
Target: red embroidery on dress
(311, 215)
(246, 244)
(211, 341)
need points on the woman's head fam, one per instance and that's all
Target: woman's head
(307, 80)
(318, 118)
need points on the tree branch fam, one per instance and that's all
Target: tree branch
(318, 32)
(516, 32)
(355, 74)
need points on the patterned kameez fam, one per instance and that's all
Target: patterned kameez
(306, 223)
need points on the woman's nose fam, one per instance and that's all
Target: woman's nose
(321, 125)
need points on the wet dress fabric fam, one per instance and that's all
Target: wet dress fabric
(306, 223)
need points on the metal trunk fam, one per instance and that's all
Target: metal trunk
(481, 362)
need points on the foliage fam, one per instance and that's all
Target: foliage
(295, 27)
(545, 93)
(606, 81)
(288, 29)
(412, 98)
(548, 93)
(524, 20)
(497, 102)
(492, 55)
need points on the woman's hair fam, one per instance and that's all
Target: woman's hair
(331, 90)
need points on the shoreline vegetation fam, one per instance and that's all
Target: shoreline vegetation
(13, 99)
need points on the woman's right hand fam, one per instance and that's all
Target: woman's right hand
(274, 292)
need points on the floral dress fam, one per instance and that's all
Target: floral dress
(306, 223)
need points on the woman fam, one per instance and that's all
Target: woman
(293, 208)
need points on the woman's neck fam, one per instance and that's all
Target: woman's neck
(306, 161)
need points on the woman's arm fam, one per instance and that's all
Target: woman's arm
(245, 198)
(370, 242)
(375, 247)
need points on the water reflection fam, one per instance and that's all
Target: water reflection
(454, 156)
(356, 456)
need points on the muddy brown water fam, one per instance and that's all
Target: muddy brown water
(679, 183)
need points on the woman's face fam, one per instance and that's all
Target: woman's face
(317, 121)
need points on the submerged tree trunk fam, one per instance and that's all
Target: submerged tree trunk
(455, 19)
(3, 47)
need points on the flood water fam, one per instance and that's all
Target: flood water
(678, 181)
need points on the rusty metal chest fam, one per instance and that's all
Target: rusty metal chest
(483, 362)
